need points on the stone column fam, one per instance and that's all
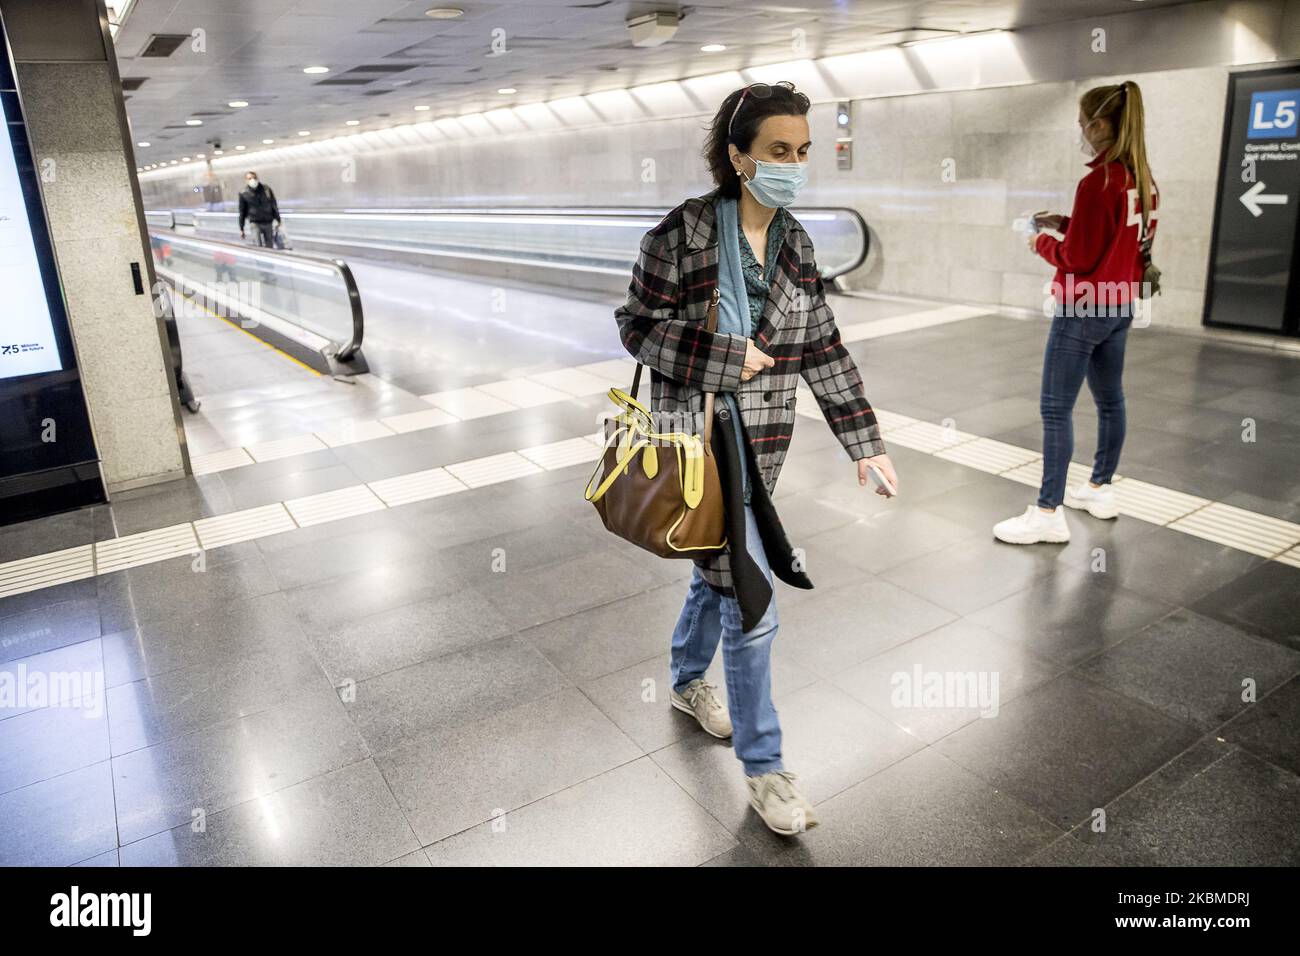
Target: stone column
(72, 97)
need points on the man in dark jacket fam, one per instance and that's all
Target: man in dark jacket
(257, 205)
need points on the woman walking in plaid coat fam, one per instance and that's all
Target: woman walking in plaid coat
(740, 248)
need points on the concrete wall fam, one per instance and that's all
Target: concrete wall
(72, 101)
(1002, 109)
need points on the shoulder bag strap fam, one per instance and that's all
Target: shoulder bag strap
(710, 325)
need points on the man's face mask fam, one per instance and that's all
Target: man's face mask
(776, 184)
(252, 184)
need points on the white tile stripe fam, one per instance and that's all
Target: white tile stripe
(420, 486)
(333, 505)
(244, 525)
(1235, 527)
(510, 395)
(146, 547)
(47, 570)
(1240, 529)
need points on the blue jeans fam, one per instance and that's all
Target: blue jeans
(707, 618)
(1089, 347)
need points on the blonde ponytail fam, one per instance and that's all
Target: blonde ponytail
(1122, 106)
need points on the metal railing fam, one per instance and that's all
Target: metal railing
(308, 303)
(593, 240)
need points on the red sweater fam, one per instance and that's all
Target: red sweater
(1099, 262)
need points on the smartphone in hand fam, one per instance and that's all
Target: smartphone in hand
(880, 481)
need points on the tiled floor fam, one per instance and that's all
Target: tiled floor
(481, 677)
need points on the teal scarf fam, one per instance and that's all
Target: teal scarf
(733, 306)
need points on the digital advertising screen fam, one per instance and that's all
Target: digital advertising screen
(28, 344)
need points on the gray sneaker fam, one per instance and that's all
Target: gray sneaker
(781, 806)
(700, 701)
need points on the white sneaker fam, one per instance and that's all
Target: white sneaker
(779, 803)
(1033, 527)
(1098, 502)
(702, 702)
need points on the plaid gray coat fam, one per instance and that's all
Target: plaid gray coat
(662, 327)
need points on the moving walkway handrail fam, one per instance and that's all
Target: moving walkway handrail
(345, 351)
(856, 245)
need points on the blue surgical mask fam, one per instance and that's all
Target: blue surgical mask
(776, 184)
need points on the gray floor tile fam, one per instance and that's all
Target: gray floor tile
(451, 780)
(60, 821)
(1216, 806)
(107, 859)
(453, 689)
(1192, 668)
(611, 637)
(1067, 747)
(850, 624)
(890, 537)
(60, 677)
(974, 572)
(346, 817)
(546, 593)
(1070, 615)
(1268, 728)
(830, 742)
(205, 637)
(29, 625)
(414, 858)
(169, 588)
(406, 635)
(51, 741)
(922, 811)
(631, 816)
(188, 699)
(158, 788)
(1264, 601)
(943, 680)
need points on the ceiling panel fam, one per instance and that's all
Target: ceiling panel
(256, 51)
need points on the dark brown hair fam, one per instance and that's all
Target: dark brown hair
(761, 100)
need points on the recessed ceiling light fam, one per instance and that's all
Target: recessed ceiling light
(352, 123)
(315, 69)
(444, 13)
(172, 163)
(144, 144)
(422, 108)
(712, 48)
(304, 132)
(194, 122)
(200, 156)
(267, 142)
(507, 90)
(218, 152)
(237, 104)
(139, 169)
(185, 159)
(241, 147)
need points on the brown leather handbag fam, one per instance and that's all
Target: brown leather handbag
(659, 490)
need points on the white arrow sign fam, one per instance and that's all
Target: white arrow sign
(1254, 197)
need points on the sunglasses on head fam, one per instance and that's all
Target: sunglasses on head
(759, 91)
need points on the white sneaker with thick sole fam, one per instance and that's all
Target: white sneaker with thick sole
(1098, 502)
(779, 803)
(702, 702)
(1035, 526)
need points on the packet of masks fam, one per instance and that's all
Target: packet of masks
(1026, 224)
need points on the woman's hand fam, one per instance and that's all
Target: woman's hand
(886, 467)
(755, 361)
(1033, 244)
